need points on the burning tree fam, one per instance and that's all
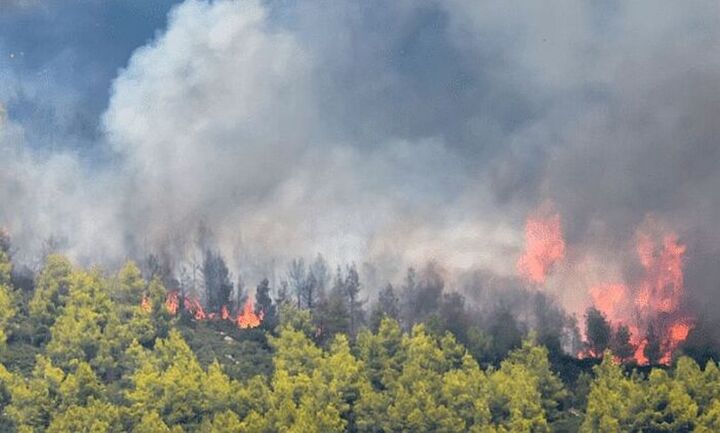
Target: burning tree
(650, 308)
(646, 311)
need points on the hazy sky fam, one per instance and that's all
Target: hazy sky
(393, 131)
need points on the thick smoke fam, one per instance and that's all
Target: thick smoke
(393, 133)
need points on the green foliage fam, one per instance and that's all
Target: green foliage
(516, 399)
(535, 359)
(105, 364)
(129, 286)
(168, 381)
(151, 423)
(51, 291)
(665, 406)
(5, 268)
(388, 306)
(7, 312)
(94, 417)
(301, 320)
(611, 399)
(241, 353)
(81, 329)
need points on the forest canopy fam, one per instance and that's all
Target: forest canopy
(86, 350)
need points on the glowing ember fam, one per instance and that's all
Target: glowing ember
(248, 318)
(544, 246)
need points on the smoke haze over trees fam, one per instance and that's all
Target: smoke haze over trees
(88, 350)
(491, 194)
(427, 131)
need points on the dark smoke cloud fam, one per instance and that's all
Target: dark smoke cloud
(389, 132)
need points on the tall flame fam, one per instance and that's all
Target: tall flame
(610, 299)
(544, 246)
(653, 301)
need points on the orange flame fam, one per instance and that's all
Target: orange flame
(145, 304)
(248, 318)
(610, 299)
(679, 332)
(655, 299)
(245, 319)
(172, 302)
(192, 306)
(544, 246)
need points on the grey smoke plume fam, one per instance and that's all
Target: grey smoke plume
(393, 133)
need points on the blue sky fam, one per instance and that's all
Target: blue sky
(65, 55)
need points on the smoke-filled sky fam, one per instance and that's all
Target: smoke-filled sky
(390, 132)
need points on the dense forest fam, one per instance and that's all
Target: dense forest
(86, 350)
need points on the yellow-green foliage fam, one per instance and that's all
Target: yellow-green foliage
(107, 365)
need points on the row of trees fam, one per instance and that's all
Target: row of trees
(105, 364)
(601, 336)
(337, 304)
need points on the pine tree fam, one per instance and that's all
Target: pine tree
(621, 345)
(387, 306)
(264, 305)
(151, 423)
(80, 330)
(96, 417)
(354, 304)
(612, 401)
(50, 295)
(320, 271)
(408, 299)
(665, 406)
(297, 280)
(535, 359)
(332, 316)
(218, 286)
(598, 332)
(653, 346)
(5, 241)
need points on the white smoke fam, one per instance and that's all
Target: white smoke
(220, 122)
(392, 132)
